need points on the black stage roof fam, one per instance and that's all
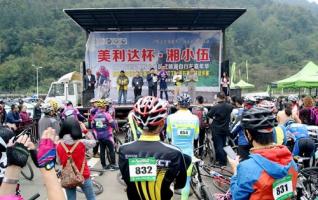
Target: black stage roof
(134, 19)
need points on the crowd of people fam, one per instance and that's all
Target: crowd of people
(269, 135)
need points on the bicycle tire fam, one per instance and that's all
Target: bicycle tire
(97, 188)
(194, 190)
(221, 170)
(120, 180)
(211, 151)
(222, 184)
(27, 172)
(205, 194)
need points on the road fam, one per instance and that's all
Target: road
(113, 190)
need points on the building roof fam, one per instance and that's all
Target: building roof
(134, 19)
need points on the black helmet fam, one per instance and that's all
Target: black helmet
(184, 100)
(260, 119)
(5, 135)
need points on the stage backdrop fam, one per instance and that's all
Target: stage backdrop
(107, 53)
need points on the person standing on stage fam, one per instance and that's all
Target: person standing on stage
(192, 79)
(152, 79)
(163, 75)
(225, 84)
(122, 83)
(178, 80)
(137, 84)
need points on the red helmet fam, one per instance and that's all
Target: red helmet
(149, 111)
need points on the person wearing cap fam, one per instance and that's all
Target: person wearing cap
(122, 84)
(221, 115)
(270, 171)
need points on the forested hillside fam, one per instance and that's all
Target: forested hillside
(274, 37)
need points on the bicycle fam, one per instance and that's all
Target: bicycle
(197, 184)
(208, 147)
(27, 172)
(307, 184)
(97, 186)
(220, 177)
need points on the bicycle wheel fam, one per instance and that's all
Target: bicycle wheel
(97, 188)
(118, 143)
(194, 184)
(210, 150)
(221, 183)
(27, 172)
(205, 194)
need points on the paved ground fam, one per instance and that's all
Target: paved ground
(113, 190)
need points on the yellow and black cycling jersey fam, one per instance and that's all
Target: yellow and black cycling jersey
(149, 166)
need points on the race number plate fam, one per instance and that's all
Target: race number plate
(142, 169)
(283, 188)
(99, 123)
(183, 132)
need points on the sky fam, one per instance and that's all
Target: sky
(316, 1)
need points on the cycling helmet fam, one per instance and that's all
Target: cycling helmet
(54, 104)
(47, 108)
(149, 111)
(292, 98)
(93, 100)
(184, 100)
(260, 119)
(101, 103)
(69, 103)
(5, 135)
(109, 100)
(267, 104)
(250, 100)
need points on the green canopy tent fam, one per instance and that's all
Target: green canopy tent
(243, 85)
(307, 77)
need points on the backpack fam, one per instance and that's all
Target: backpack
(71, 177)
(314, 116)
(199, 112)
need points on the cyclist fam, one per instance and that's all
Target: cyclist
(237, 130)
(279, 132)
(300, 142)
(92, 113)
(70, 111)
(103, 125)
(5, 135)
(149, 166)
(182, 129)
(270, 172)
(295, 107)
(201, 112)
(48, 119)
(287, 114)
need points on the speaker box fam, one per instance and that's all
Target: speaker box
(236, 92)
(225, 67)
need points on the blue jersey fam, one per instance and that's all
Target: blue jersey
(182, 128)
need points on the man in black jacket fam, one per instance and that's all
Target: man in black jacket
(137, 84)
(221, 115)
(89, 84)
(152, 79)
